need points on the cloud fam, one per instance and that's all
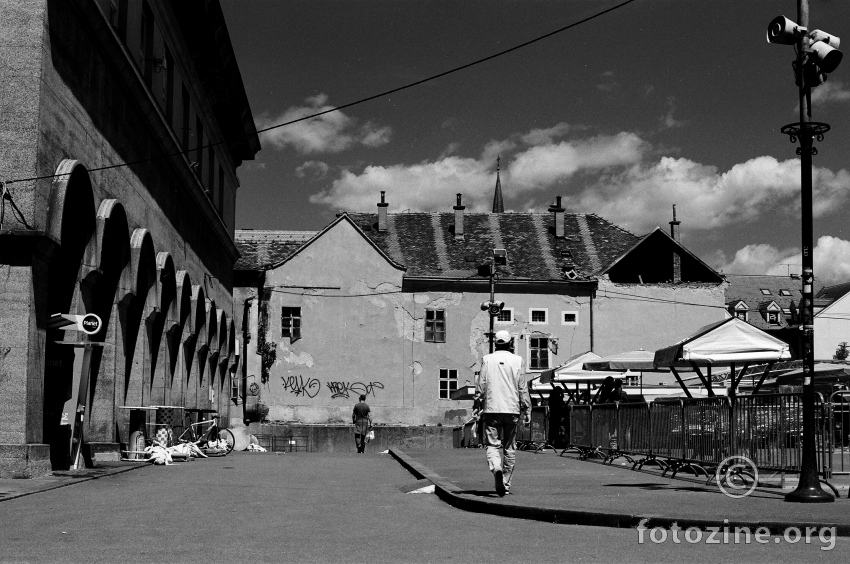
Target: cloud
(316, 169)
(432, 185)
(640, 196)
(329, 133)
(546, 135)
(832, 91)
(607, 82)
(831, 260)
(667, 120)
(619, 177)
(545, 165)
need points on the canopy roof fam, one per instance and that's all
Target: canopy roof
(725, 342)
(632, 360)
(571, 372)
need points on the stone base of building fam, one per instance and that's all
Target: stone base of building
(104, 452)
(25, 461)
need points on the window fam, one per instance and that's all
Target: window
(435, 326)
(741, 314)
(290, 323)
(506, 316)
(221, 191)
(538, 353)
(773, 317)
(784, 292)
(448, 383)
(211, 178)
(539, 315)
(765, 292)
(569, 318)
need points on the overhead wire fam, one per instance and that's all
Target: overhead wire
(360, 101)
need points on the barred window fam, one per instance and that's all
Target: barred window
(290, 323)
(435, 326)
(448, 382)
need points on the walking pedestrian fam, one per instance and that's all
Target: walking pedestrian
(362, 418)
(557, 407)
(501, 396)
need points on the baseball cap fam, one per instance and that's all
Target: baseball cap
(503, 337)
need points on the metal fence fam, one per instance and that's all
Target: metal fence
(699, 434)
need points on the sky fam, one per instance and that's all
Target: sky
(658, 103)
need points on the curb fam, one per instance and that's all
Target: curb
(453, 495)
(71, 481)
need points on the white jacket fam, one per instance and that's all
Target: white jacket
(501, 386)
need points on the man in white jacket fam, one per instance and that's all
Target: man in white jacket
(501, 397)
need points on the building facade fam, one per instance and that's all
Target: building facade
(123, 125)
(389, 305)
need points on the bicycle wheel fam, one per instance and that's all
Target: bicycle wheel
(228, 438)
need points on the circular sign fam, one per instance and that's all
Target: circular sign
(90, 324)
(737, 476)
(254, 389)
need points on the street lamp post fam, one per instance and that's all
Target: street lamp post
(816, 56)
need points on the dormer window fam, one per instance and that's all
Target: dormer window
(742, 315)
(773, 317)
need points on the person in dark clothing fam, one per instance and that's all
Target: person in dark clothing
(556, 417)
(618, 393)
(603, 395)
(362, 419)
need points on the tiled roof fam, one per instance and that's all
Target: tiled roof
(259, 248)
(748, 287)
(425, 243)
(832, 293)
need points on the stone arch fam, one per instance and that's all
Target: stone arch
(179, 337)
(195, 346)
(107, 258)
(138, 303)
(162, 358)
(207, 380)
(71, 224)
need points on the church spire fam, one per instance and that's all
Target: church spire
(498, 203)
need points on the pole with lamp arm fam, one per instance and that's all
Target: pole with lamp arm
(816, 56)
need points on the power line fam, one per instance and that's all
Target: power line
(360, 101)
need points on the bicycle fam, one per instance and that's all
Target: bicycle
(222, 438)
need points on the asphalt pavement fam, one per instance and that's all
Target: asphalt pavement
(344, 507)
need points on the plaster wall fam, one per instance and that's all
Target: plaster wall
(832, 326)
(652, 316)
(362, 335)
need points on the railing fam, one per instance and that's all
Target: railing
(699, 434)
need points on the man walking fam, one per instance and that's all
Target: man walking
(501, 396)
(362, 419)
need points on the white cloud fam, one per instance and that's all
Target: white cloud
(545, 135)
(544, 165)
(432, 185)
(831, 91)
(831, 260)
(640, 197)
(329, 133)
(317, 169)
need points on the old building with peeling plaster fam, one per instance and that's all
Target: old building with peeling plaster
(389, 305)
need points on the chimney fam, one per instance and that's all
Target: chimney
(677, 259)
(559, 217)
(459, 218)
(382, 213)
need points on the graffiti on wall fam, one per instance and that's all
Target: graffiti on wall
(347, 389)
(311, 387)
(299, 386)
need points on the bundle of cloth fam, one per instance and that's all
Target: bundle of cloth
(159, 454)
(255, 448)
